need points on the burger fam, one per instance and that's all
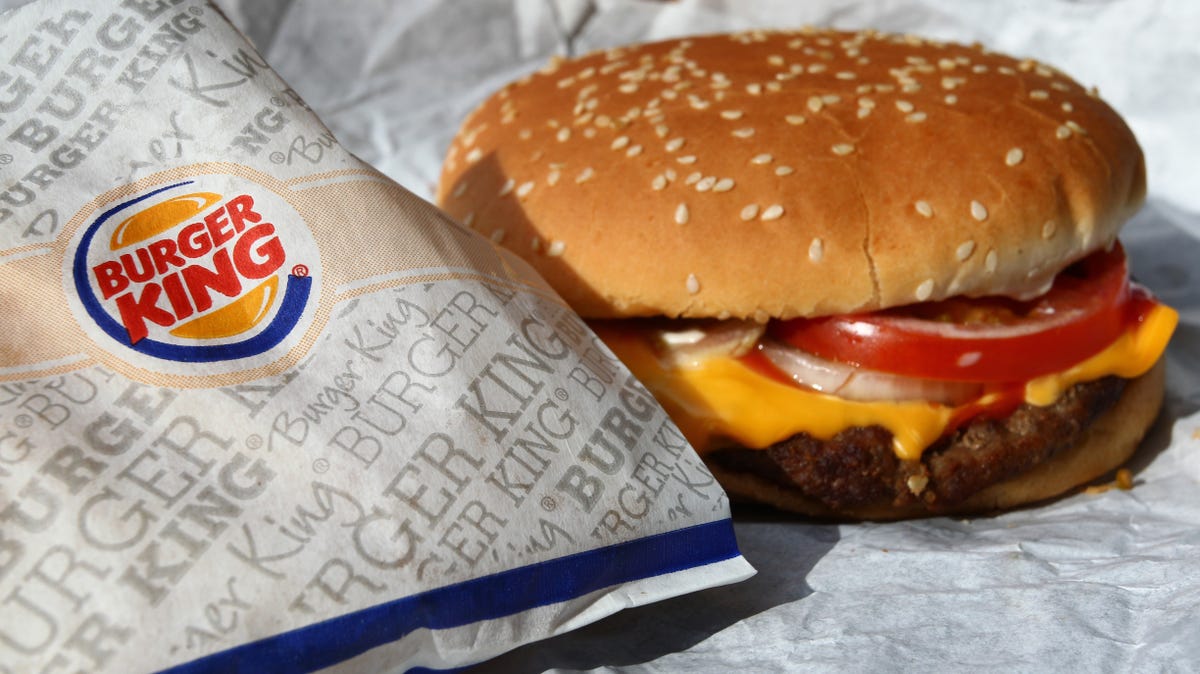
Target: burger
(868, 275)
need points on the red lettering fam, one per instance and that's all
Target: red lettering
(261, 260)
(131, 270)
(165, 255)
(109, 278)
(194, 241)
(176, 295)
(135, 312)
(241, 211)
(219, 228)
(222, 278)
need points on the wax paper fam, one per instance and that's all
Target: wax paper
(1090, 582)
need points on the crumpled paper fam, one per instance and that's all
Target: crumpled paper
(1090, 582)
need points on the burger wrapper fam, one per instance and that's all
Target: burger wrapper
(1100, 580)
(262, 409)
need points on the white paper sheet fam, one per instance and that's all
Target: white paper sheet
(262, 409)
(1105, 582)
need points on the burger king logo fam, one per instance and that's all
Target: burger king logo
(215, 270)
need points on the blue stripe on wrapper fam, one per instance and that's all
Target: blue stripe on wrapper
(501, 594)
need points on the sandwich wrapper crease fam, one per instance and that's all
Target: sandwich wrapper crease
(264, 410)
(1094, 581)
(1091, 582)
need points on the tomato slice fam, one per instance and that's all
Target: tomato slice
(990, 339)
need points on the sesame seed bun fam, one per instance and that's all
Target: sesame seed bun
(793, 174)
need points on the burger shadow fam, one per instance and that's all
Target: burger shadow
(1162, 256)
(780, 548)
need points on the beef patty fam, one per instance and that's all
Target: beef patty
(857, 467)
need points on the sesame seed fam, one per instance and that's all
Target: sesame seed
(784, 171)
(659, 182)
(863, 113)
(845, 75)
(589, 132)
(585, 175)
(775, 60)
(459, 189)
(507, 186)
(865, 102)
(1072, 125)
(754, 89)
(831, 99)
(673, 144)
(620, 142)
(535, 243)
(925, 290)
(723, 185)
(1063, 132)
(628, 88)
(563, 134)
(842, 149)
(693, 284)
(706, 183)
(1048, 229)
(816, 250)
(964, 250)
(633, 151)
(814, 103)
(525, 189)
(693, 178)
(681, 214)
(817, 68)
(1039, 95)
(469, 218)
(978, 211)
(1014, 156)
(772, 212)
(990, 262)
(661, 130)
(969, 358)
(744, 132)
(915, 117)
(1059, 86)
(474, 155)
(794, 120)
(1067, 107)
(924, 208)
(904, 106)
(670, 174)
(731, 114)
(910, 87)
(951, 99)
(763, 158)
(749, 212)
(497, 235)
(556, 248)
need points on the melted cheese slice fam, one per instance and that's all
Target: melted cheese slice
(721, 399)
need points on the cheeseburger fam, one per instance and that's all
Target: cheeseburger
(868, 275)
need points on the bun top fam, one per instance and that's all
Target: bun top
(785, 174)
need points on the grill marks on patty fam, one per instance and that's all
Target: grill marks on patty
(857, 467)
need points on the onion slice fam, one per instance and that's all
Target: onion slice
(856, 383)
(688, 344)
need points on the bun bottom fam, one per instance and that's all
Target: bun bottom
(1107, 443)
